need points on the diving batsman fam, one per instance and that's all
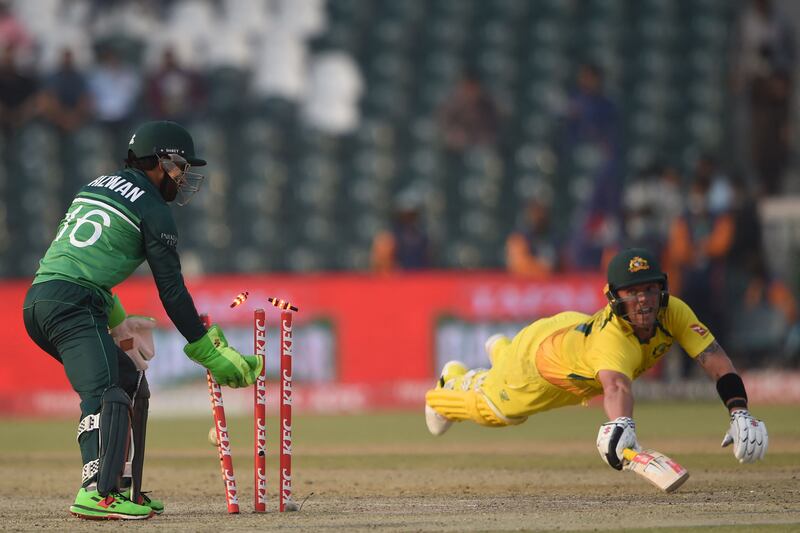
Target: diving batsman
(114, 224)
(571, 357)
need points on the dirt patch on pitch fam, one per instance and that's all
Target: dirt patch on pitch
(459, 488)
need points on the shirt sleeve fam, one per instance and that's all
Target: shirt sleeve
(691, 334)
(160, 245)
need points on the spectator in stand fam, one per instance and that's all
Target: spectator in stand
(533, 250)
(406, 245)
(174, 92)
(64, 100)
(17, 92)
(764, 59)
(657, 189)
(469, 117)
(698, 247)
(115, 87)
(12, 32)
(592, 124)
(640, 227)
(766, 321)
(747, 239)
(651, 202)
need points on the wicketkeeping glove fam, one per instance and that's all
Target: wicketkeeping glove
(228, 366)
(134, 336)
(748, 436)
(615, 436)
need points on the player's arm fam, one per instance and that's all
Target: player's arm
(208, 348)
(747, 434)
(160, 240)
(716, 363)
(617, 394)
(620, 432)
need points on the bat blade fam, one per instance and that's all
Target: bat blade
(657, 468)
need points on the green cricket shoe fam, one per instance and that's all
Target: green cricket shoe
(91, 506)
(156, 505)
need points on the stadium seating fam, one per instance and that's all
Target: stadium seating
(280, 196)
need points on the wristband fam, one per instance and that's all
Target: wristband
(117, 313)
(731, 390)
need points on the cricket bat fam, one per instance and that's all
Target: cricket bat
(656, 468)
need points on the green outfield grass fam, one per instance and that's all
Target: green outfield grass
(654, 421)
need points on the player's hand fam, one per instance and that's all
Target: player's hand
(615, 436)
(748, 436)
(134, 336)
(228, 366)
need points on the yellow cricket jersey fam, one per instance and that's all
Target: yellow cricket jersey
(571, 348)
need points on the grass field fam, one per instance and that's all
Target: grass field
(384, 472)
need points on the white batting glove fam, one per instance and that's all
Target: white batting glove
(748, 436)
(134, 336)
(615, 436)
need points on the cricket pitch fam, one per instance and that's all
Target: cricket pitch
(384, 472)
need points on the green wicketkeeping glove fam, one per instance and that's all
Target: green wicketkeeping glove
(228, 366)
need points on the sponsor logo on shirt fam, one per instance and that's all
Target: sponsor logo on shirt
(169, 239)
(700, 330)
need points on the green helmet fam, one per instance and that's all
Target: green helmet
(632, 267)
(162, 138)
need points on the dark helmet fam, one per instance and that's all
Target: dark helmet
(163, 138)
(631, 267)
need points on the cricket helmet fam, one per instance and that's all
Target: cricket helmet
(630, 267)
(160, 138)
(171, 147)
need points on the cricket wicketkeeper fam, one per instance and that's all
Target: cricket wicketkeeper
(571, 357)
(115, 223)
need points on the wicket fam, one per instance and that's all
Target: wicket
(259, 417)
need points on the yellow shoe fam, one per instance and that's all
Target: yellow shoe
(438, 424)
(450, 371)
(494, 343)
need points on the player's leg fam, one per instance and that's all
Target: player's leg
(459, 396)
(104, 433)
(515, 385)
(132, 485)
(70, 320)
(507, 393)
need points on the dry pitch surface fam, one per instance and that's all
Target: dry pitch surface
(383, 472)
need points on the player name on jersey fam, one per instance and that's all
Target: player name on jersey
(118, 184)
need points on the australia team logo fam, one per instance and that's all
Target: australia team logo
(637, 264)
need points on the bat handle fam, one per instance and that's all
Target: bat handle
(629, 454)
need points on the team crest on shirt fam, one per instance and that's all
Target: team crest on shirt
(700, 330)
(637, 264)
(661, 349)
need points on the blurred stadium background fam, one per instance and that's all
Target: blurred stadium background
(325, 122)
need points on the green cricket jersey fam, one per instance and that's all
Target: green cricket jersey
(114, 224)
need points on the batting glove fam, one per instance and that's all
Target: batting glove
(748, 436)
(615, 436)
(134, 336)
(227, 365)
